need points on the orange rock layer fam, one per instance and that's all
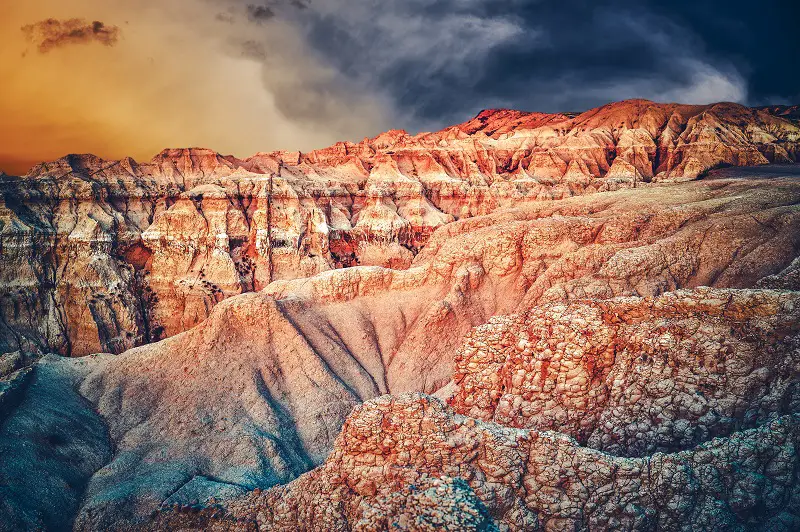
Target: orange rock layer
(620, 360)
(102, 256)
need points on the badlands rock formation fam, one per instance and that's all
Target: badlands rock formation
(102, 256)
(409, 463)
(256, 395)
(632, 377)
(413, 333)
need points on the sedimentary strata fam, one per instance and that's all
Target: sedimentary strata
(102, 256)
(523, 322)
(256, 394)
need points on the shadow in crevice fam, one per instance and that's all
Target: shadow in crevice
(286, 440)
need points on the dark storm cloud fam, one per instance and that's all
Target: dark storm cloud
(259, 13)
(440, 61)
(52, 33)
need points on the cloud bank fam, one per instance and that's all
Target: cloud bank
(180, 73)
(242, 76)
(440, 61)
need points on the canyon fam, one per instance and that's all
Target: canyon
(103, 256)
(525, 321)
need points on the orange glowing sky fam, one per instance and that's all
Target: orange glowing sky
(176, 77)
(243, 76)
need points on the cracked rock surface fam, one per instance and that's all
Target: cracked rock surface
(400, 448)
(635, 376)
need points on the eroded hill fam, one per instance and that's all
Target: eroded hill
(523, 322)
(102, 256)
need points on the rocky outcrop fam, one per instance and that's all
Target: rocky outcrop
(409, 463)
(256, 394)
(697, 390)
(102, 256)
(636, 376)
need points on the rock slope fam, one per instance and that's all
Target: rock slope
(101, 256)
(688, 403)
(523, 322)
(410, 463)
(257, 394)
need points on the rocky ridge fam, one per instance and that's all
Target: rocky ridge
(257, 394)
(553, 359)
(102, 256)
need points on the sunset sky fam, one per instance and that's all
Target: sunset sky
(119, 78)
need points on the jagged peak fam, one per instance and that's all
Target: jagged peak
(488, 113)
(495, 123)
(388, 138)
(74, 162)
(783, 111)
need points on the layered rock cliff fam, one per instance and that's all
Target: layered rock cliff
(256, 394)
(102, 256)
(523, 322)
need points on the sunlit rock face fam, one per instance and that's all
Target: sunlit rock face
(635, 376)
(633, 413)
(524, 322)
(102, 256)
(427, 468)
(627, 322)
